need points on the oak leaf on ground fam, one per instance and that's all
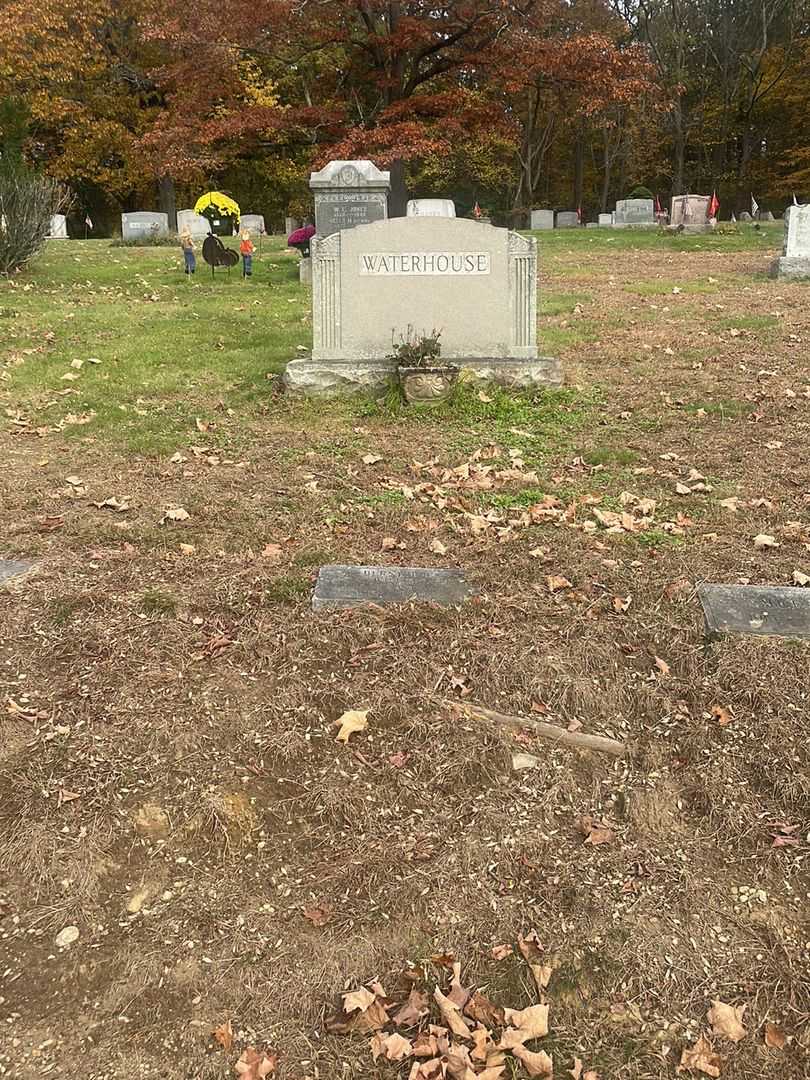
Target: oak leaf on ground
(451, 1015)
(556, 582)
(361, 999)
(524, 1025)
(726, 1020)
(500, 952)
(484, 1011)
(318, 914)
(595, 832)
(774, 1036)
(722, 714)
(702, 1058)
(224, 1035)
(411, 1012)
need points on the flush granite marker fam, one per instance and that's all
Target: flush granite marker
(11, 568)
(356, 586)
(778, 610)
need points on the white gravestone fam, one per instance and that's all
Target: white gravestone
(795, 258)
(542, 219)
(144, 223)
(431, 208)
(606, 220)
(349, 193)
(254, 223)
(195, 224)
(58, 229)
(690, 213)
(475, 283)
(635, 213)
(567, 219)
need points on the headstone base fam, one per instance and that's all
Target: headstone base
(790, 267)
(635, 224)
(331, 378)
(305, 271)
(691, 230)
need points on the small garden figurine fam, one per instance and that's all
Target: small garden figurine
(187, 244)
(246, 250)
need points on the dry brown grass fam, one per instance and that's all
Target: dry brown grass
(204, 684)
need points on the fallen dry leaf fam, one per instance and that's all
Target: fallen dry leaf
(361, 999)
(595, 832)
(525, 1025)
(662, 665)
(555, 582)
(271, 552)
(175, 513)
(437, 547)
(722, 714)
(224, 1035)
(701, 1057)
(800, 578)
(371, 459)
(576, 1069)
(255, 1066)
(451, 1015)
(319, 914)
(500, 952)
(726, 1020)
(187, 549)
(535, 1064)
(351, 721)
(396, 1047)
(484, 1011)
(763, 540)
(411, 1012)
(774, 1036)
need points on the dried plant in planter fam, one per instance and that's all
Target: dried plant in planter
(422, 375)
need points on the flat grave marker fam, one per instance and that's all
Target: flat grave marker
(11, 568)
(775, 610)
(355, 586)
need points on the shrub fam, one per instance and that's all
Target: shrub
(146, 240)
(27, 204)
(641, 192)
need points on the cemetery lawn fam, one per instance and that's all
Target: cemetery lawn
(170, 783)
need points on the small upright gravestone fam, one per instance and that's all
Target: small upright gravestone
(542, 219)
(195, 224)
(606, 220)
(635, 214)
(430, 208)
(690, 213)
(795, 258)
(372, 284)
(349, 193)
(254, 223)
(567, 219)
(144, 223)
(58, 229)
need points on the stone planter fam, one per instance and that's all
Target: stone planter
(422, 385)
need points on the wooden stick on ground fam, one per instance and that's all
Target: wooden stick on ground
(550, 732)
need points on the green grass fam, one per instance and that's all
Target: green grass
(665, 288)
(562, 303)
(746, 238)
(748, 322)
(169, 348)
(723, 407)
(158, 602)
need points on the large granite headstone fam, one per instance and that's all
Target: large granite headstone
(197, 225)
(254, 223)
(144, 223)
(690, 213)
(542, 219)
(795, 258)
(776, 610)
(349, 193)
(58, 229)
(635, 213)
(356, 586)
(374, 284)
(567, 219)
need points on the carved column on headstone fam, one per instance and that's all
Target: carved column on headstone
(523, 295)
(326, 298)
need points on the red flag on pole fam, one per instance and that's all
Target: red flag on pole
(658, 209)
(579, 214)
(714, 205)
(476, 210)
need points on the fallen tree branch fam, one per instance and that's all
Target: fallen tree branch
(574, 739)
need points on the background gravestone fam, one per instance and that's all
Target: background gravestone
(144, 223)
(430, 208)
(542, 219)
(196, 224)
(290, 225)
(58, 229)
(634, 213)
(474, 283)
(795, 259)
(349, 193)
(567, 219)
(690, 213)
(253, 222)
(606, 220)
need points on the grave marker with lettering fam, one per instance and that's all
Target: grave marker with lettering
(474, 283)
(347, 194)
(12, 568)
(143, 223)
(356, 586)
(776, 610)
(690, 214)
(635, 213)
(795, 259)
(542, 219)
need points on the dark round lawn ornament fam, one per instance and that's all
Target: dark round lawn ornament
(216, 254)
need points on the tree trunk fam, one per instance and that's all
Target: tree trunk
(607, 169)
(167, 200)
(579, 168)
(398, 196)
(679, 155)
